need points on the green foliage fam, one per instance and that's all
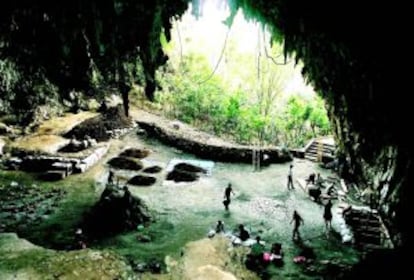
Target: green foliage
(21, 94)
(304, 119)
(213, 107)
(9, 77)
(242, 98)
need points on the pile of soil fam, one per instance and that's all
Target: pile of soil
(100, 126)
(184, 172)
(116, 211)
(135, 153)
(152, 169)
(189, 168)
(140, 180)
(125, 163)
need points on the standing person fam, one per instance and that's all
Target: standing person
(327, 214)
(111, 177)
(290, 178)
(227, 193)
(79, 239)
(297, 221)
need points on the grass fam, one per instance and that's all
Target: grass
(166, 239)
(57, 231)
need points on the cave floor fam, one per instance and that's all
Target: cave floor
(185, 212)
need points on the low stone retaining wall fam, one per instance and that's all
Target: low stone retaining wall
(57, 167)
(92, 159)
(224, 153)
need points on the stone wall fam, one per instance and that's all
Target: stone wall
(225, 153)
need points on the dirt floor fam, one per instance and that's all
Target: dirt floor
(185, 212)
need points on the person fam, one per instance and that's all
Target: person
(277, 249)
(277, 254)
(327, 214)
(227, 193)
(220, 227)
(257, 249)
(290, 178)
(306, 255)
(79, 239)
(257, 257)
(127, 195)
(297, 221)
(243, 233)
(315, 192)
(111, 177)
(311, 179)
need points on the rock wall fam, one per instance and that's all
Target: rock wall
(225, 153)
(380, 160)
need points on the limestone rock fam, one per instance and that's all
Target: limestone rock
(116, 211)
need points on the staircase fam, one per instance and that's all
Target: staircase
(320, 149)
(368, 230)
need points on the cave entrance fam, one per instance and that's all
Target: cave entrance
(228, 77)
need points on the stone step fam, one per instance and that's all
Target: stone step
(368, 230)
(311, 157)
(316, 149)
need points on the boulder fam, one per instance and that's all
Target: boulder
(116, 211)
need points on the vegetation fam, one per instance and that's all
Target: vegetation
(244, 96)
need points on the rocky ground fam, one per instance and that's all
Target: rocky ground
(21, 260)
(22, 206)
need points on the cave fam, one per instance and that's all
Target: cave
(347, 47)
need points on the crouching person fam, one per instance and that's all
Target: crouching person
(276, 255)
(255, 259)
